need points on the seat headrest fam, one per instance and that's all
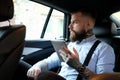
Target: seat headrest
(6, 10)
(103, 30)
(11, 37)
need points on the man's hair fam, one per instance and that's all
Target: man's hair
(88, 12)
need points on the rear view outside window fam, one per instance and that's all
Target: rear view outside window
(33, 16)
(115, 17)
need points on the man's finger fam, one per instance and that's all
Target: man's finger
(75, 51)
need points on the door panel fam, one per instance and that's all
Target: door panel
(44, 47)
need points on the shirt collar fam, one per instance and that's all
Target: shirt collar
(91, 38)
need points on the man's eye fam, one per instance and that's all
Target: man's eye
(75, 22)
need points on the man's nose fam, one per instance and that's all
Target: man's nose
(70, 26)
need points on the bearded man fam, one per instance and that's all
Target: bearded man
(81, 40)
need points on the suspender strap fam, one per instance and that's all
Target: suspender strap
(87, 60)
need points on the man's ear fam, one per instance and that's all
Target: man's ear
(90, 24)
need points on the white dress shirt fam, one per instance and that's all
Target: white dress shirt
(102, 60)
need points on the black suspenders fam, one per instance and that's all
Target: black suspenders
(87, 60)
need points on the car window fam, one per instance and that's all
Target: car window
(33, 16)
(117, 15)
(116, 18)
(55, 26)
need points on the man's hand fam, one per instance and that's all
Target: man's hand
(33, 72)
(72, 59)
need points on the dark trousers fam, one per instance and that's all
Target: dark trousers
(49, 75)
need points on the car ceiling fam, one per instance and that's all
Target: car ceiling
(103, 7)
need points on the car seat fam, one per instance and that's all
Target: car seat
(11, 41)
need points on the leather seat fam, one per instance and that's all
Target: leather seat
(106, 76)
(12, 39)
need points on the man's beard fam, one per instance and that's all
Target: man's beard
(80, 36)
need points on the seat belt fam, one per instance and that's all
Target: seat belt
(87, 60)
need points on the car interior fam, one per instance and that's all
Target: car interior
(21, 54)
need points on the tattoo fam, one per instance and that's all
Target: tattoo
(83, 71)
(89, 33)
(74, 63)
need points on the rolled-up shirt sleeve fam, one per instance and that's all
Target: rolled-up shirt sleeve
(53, 61)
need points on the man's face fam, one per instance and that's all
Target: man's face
(77, 27)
